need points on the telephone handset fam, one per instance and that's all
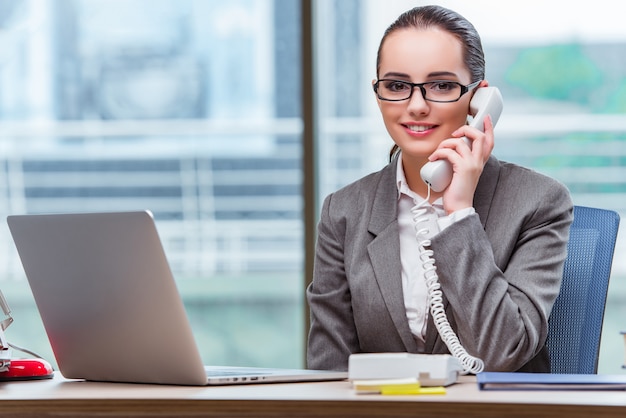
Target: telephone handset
(486, 101)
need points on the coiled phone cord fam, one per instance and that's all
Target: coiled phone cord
(469, 363)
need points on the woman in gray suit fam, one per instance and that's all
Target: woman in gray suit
(497, 234)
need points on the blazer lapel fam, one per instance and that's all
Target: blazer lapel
(384, 253)
(486, 188)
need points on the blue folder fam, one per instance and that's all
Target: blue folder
(549, 381)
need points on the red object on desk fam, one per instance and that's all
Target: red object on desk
(27, 369)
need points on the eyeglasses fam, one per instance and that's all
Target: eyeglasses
(433, 91)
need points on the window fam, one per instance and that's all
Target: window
(189, 108)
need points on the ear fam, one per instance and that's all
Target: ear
(375, 95)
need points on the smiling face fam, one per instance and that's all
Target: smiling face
(422, 55)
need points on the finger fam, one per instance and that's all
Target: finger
(458, 143)
(489, 138)
(489, 130)
(453, 147)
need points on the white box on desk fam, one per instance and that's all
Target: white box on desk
(430, 369)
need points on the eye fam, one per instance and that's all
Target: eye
(443, 86)
(396, 86)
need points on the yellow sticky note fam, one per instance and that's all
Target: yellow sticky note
(401, 389)
(408, 386)
(376, 385)
(408, 390)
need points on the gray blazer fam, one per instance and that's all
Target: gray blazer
(500, 271)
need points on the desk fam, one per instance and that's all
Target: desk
(60, 397)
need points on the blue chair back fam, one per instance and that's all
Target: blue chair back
(575, 325)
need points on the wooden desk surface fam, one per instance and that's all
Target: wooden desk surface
(60, 397)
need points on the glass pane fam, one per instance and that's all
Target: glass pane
(563, 84)
(188, 108)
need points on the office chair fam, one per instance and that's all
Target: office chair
(575, 325)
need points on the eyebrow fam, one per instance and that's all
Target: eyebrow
(431, 75)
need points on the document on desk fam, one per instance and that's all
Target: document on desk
(549, 381)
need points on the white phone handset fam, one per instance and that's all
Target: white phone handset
(486, 101)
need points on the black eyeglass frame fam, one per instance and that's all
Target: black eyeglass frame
(464, 89)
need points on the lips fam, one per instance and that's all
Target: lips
(419, 129)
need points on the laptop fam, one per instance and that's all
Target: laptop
(110, 306)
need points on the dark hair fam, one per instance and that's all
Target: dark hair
(436, 16)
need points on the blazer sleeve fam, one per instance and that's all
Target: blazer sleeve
(501, 279)
(332, 335)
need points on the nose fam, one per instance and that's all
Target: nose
(417, 104)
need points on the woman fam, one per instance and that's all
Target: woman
(498, 232)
